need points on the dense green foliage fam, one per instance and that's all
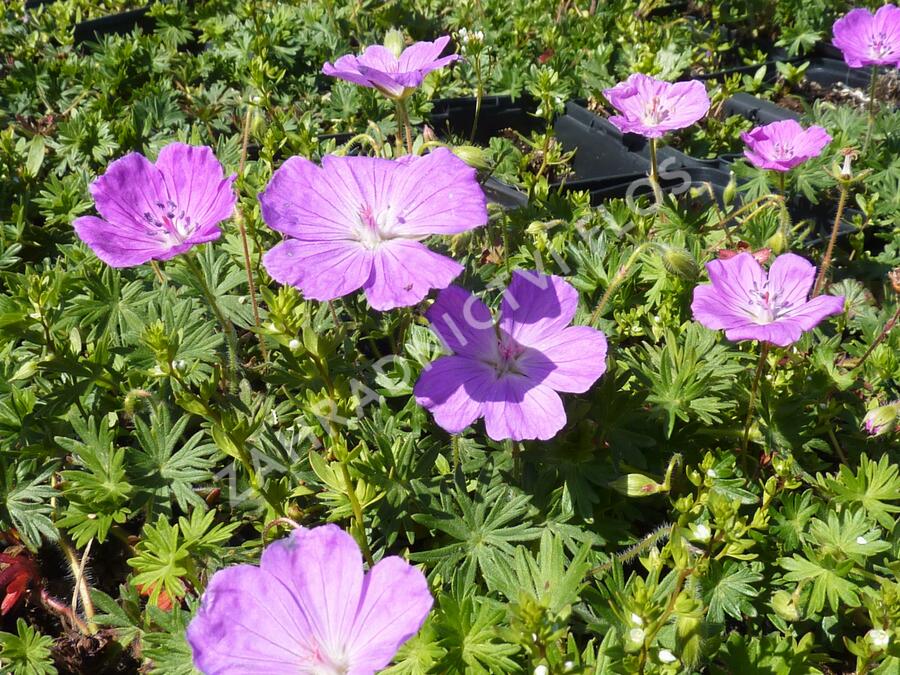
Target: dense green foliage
(640, 539)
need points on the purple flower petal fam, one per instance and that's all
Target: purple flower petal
(321, 270)
(196, 183)
(521, 409)
(576, 356)
(248, 623)
(358, 221)
(438, 194)
(454, 389)
(119, 246)
(377, 67)
(536, 306)
(395, 603)
(652, 107)
(780, 146)
(308, 608)
(403, 272)
(463, 322)
(750, 305)
(869, 40)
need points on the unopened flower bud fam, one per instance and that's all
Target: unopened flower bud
(880, 421)
(679, 261)
(294, 345)
(636, 485)
(394, 41)
(428, 134)
(894, 276)
(472, 156)
(778, 242)
(541, 670)
(730, 190)
(666, 656)
(879, 639)
(846, 169)
(636, 635)
(701, 532)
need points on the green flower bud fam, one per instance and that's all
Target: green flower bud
(679, 261)
(636, 485)
(395, 41)
(784, 606)
(778, 242)
(880, 421)
(473, 156)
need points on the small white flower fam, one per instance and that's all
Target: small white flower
(294, 345)
(541, 670)
(534, 638)
(180, 364)
(880, 639)
(862, 541)
(636, 620)
(636, 635)
(568, 665)
(712, 473)
(702, 532)
(666, 656)
(479, 36)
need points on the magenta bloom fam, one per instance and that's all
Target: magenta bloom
(308, 608)
(379, 68)
(509, 373)
(750, 305)
(156, 211)
(653, 108)
(358, 222)
(780, 146)
(868, 39)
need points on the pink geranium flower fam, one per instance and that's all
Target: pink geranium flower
(156, 211)
(868, 39)
(308, 608)
(359, 222)
(780, 146)
(653, 108)
(748, 304)
(510, 373)
(379, 68)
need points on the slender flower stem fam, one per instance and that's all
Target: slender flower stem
(654, 173)
(403, 118)
(479, 94)
(873, 81)
(239, 218)
(454, 442)
(81, 587)
(888, 327)
(781, 183)
(158, 272)
(357, 512)
(754, 389)
(829, 252)
(227, 326)
(621, 275)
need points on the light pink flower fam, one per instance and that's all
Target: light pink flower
(652, 107)
(780, 146)
(359, 222)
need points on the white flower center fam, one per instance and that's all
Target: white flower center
(655, 112)
(374, 228)
(783, 150)
(766, 306)
(879, 46)
(331, 663)
(169, 223)
(507, 356)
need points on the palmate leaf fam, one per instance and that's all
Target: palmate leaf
(484, 525)
(420, 654)
(729, 589)
(829, 581)
(107, 307)
(468, 631)
(162, 471)
(873, 487)
(790, 521)
(548, 577)
(846, 535)
(689, 376)
(26, 651)
(25, 501)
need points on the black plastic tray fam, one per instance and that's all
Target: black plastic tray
(114, 24)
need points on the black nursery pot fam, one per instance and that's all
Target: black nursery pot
(115, 24)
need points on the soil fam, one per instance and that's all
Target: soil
(887, 92)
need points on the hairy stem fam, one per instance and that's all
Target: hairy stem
(403, 119)
(888, 327)
(618, 279)
(227, 327)
(81, 586)
(754, 390)
(239, 218)
(873, 81)
(829, 252)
